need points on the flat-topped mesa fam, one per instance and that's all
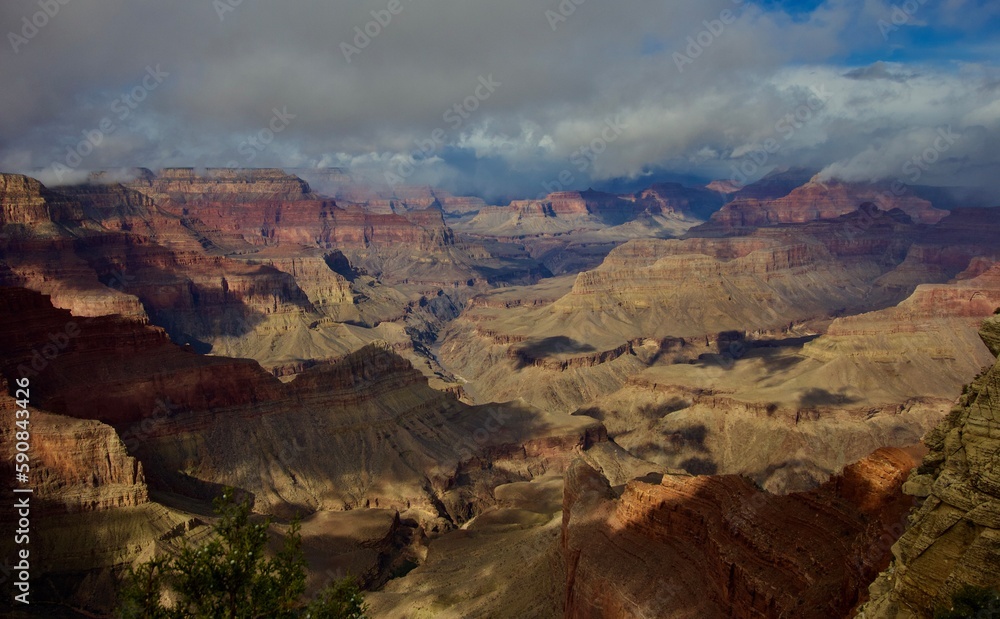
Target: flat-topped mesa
(183, 185)
(971, 298)
(952, 539)
(571, 203)
(926, 345)
(270, 207)
(818, 200)
(717, 546)
(461, 204)
(276, 221)
(609, 208)
(25, 201)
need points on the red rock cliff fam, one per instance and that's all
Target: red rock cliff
(718, 547)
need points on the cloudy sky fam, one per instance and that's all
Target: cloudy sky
(506, 98)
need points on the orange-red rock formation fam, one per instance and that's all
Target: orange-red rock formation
(719, 547)
(820, 200)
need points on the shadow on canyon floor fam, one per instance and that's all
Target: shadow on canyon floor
(816, 396)
(535, 350)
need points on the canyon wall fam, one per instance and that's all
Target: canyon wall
(719, 547)
(820, 200)
(953, 539)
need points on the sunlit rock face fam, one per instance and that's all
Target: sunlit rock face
(720, 547)
(953, 539)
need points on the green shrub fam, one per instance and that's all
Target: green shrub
(232, 576)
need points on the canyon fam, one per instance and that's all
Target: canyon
(675, 402)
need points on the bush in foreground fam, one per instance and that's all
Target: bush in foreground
(232, 576)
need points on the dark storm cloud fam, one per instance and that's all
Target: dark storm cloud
(697, 87)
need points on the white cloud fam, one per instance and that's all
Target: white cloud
(558, 88)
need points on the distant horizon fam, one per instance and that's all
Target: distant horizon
(954, 196)
(509, 99)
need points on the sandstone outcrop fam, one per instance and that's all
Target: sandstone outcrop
(401, 240)
(127, 368)
(768, 280)
(763, 281)
(76, 465)
(953, 539)
(89, 510)
(636, 344)
(719, 547)
(927, 344)
(246, 263)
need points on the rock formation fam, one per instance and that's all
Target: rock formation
(246, 263)
(569, 211)
(182, 185)
(820, 200)
(667, 198)
(764, 281)
(404, 198)
(183, 412)
(90, 511)
(774, 185)
(76, 465)
(719, 547)
(364, 431)
(26, 202)
(669, 341)
(398, 365)
(953, 539)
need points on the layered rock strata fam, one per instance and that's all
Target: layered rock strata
(953, 539)
(820, 200)
(719, 547)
